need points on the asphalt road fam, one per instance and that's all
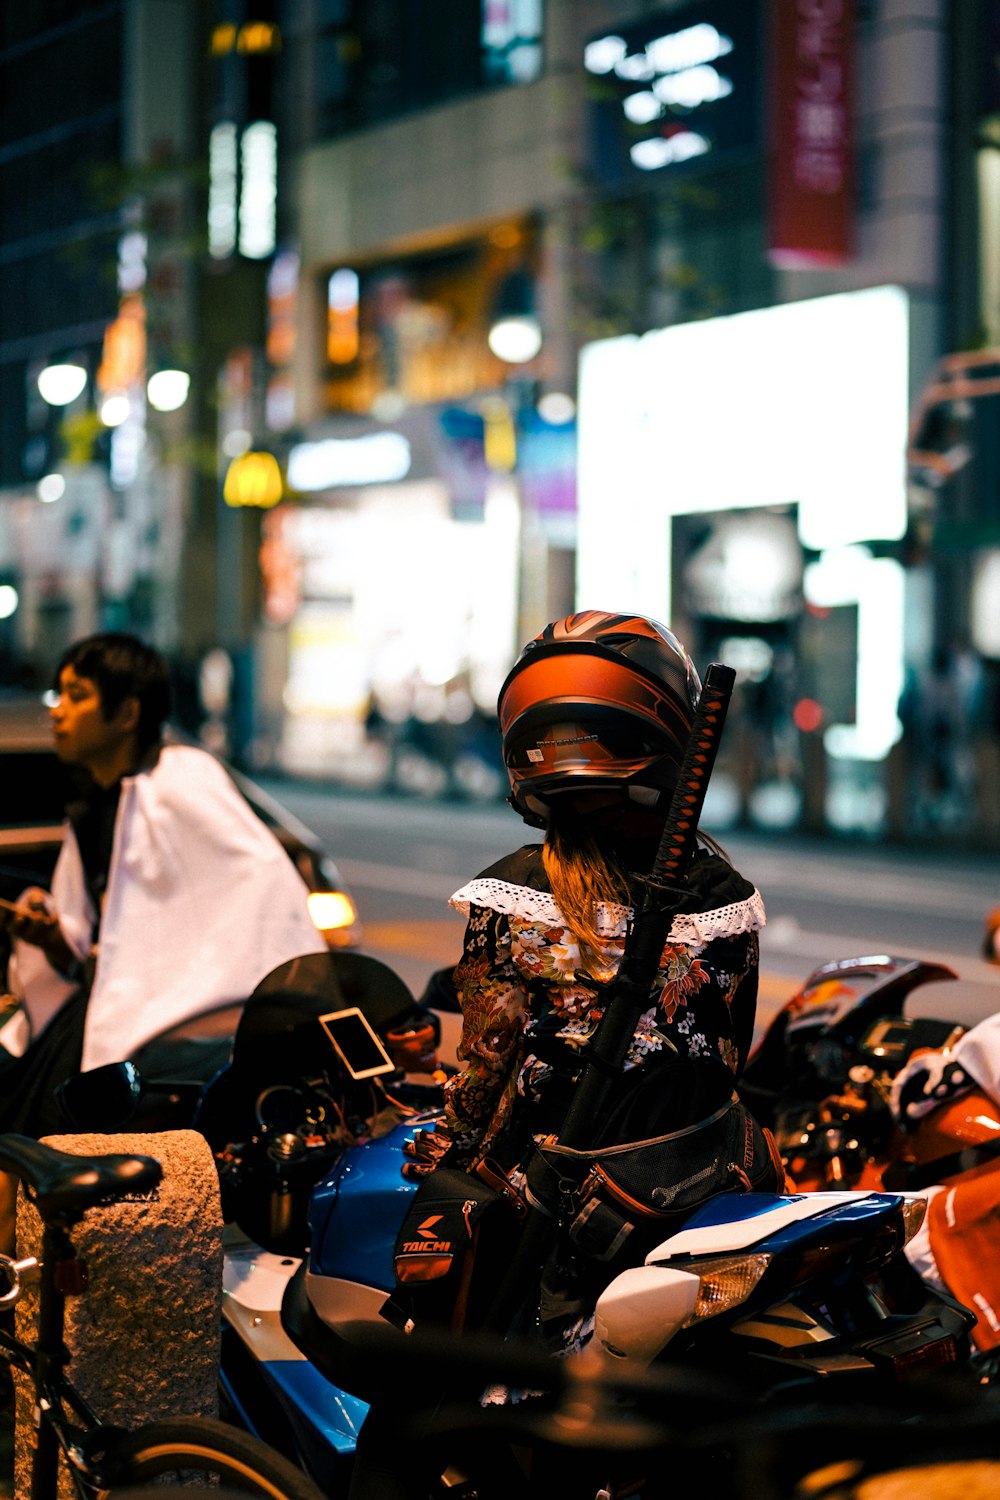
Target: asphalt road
(403, 858)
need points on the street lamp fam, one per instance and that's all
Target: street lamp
(115, 409)
(59, 385)
(515, 337)
(167, 390)
(515, 334)
(50, 487)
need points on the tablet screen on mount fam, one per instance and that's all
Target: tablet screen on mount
(356, 1044)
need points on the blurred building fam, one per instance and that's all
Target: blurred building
(98, 171)
(497, 308)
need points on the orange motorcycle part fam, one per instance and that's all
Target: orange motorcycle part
(970, 1120)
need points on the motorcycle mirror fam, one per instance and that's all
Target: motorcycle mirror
(101, 1099)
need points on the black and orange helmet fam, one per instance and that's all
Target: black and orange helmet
(596, 700)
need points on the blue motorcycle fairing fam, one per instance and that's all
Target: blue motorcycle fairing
(325, 1420)
(841, 1218)
(357, 1209)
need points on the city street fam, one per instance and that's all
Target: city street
(392, 394)
(403, 859)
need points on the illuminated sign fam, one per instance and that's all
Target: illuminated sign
(378, 458)
(222, 190)
(512, 41)
(663, 98)
(984, 611)
(342, 294)
(127, 442)
(811, 147)
(743, 565)
(802, 404)
(258, 37)
(282, 296)
(282, 322)
(852, 576)
(242, 190)
(253, 38)
(258, 190)
(132, 252)
(123, 356)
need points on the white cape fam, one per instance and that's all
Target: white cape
(202, 901)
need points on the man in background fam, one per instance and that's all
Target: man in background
(170, 897)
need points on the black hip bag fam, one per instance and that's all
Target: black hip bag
(603, 1197)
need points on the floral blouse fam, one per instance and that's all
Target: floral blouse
(526, 1014)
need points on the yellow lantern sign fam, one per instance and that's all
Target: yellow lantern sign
(253, 478)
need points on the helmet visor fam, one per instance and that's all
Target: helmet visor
(581, 744)
(592, 690)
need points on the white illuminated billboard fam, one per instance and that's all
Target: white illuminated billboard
(801, 404)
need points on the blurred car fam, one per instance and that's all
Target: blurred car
(34, 788)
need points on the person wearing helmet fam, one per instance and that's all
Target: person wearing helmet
(595, 718)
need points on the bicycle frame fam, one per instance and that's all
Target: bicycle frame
(60, 1272)
(102, 1457)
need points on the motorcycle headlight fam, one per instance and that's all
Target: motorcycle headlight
(332, 912)
(723, 1283)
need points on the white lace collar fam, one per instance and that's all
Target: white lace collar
(692, 928)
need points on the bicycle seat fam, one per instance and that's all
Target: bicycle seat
(62, 1187)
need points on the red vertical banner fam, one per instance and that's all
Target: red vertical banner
(811, 145)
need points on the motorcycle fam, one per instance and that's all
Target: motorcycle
(799, 1300)
(823, 1078)
(792, 1295)
(795, 1297)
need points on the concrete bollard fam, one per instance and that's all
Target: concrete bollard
(144, 1337)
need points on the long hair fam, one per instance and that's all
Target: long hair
(583, 873)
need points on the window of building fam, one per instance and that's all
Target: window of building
(377, 60)
(415, 331)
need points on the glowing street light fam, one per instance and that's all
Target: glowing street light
(167, 390)
(515, 335)
(114, 410)
(50, 487)
(59, 385)
(515, 340)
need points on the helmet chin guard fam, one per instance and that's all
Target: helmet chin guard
(596, 701)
